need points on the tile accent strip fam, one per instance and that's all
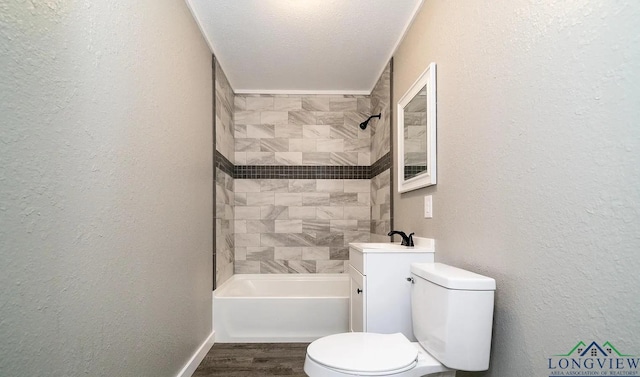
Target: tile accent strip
(222, 163)
(381, 165)
(302, 172)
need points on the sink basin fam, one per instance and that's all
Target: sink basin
(373, 247)
(381, 245)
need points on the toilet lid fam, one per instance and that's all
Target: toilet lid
(368, 353)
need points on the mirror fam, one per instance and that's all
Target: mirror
(417, 133)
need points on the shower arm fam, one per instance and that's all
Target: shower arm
(364, 124)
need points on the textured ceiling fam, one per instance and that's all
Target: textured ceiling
(307, 46)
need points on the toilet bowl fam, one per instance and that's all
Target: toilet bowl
(370, 354)
(452, 315)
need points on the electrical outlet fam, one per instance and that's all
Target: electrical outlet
(428, 207)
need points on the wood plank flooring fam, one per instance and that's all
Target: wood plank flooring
(253, 360)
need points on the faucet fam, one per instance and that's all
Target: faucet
(406, 240)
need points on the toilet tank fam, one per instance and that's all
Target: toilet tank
(452, 314)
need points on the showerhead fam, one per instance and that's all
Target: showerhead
(364, 124)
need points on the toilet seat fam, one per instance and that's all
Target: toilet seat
(364, 354)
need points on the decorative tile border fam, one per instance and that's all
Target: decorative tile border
(222, 163)
(302, 172)
(381, 165)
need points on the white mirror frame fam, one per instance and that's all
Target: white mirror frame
(428, 79)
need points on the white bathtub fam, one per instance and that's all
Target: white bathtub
(253, 308)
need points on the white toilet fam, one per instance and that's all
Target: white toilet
(452, 315)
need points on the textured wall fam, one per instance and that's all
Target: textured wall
(105, 188)
(538, 179)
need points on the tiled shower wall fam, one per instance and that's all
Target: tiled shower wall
(223, 162)
(297, 180)
(380, 128)
(299, 225)
(301, 130)
(381, 160)
(294, 219)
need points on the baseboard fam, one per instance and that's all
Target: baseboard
(197, 357)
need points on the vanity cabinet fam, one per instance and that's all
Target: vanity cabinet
(380, 292)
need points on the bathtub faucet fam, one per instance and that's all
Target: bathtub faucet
(406, 240)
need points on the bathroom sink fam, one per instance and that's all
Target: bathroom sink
(382, 245)
(373, 247)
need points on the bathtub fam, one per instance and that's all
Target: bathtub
(254, 308)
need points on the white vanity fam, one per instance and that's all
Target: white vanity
(381, 286)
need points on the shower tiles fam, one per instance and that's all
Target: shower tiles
(381, 161)
(223, 169)
(381, 206)
(381, 128)
(224, 236)
(299, 225)
(305, 179)
(285, 223)
(301, 130)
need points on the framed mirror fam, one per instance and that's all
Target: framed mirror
(417, 133)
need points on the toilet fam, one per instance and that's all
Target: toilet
(452, 316)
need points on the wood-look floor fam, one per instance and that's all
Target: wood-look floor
(253, 360)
